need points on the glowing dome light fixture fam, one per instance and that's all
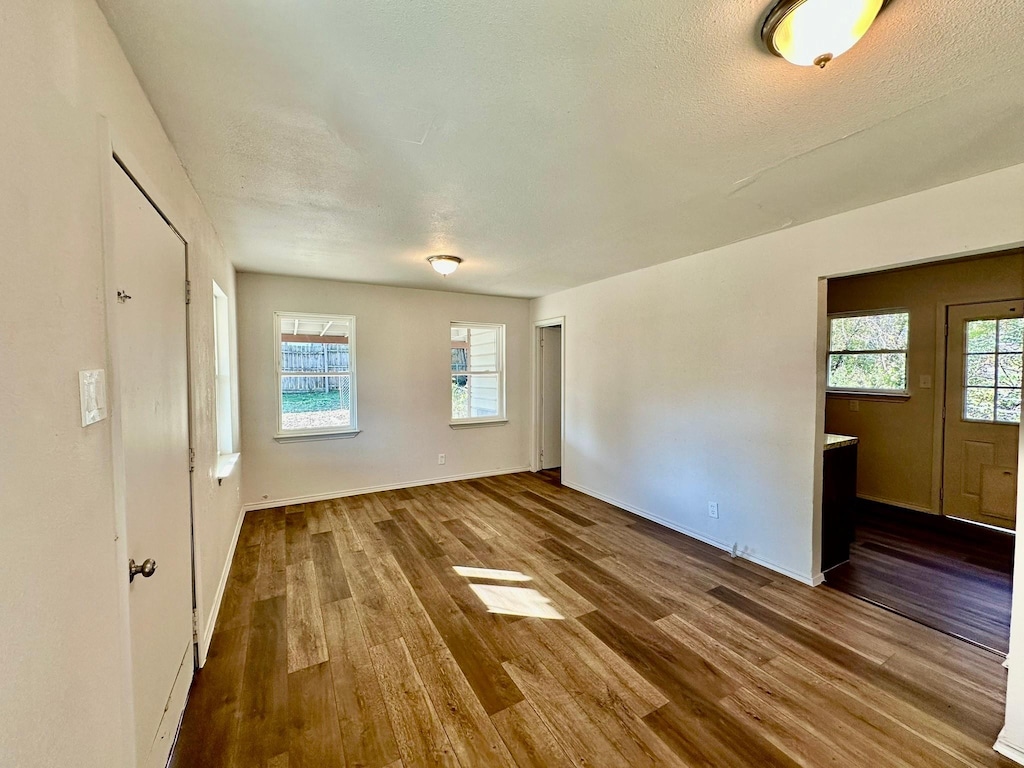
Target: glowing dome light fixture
(813, 32)
(444, 264)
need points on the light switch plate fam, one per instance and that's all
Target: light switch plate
(926, 382)
(92, 388)
(855, 405)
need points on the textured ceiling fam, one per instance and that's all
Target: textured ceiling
(554, 142)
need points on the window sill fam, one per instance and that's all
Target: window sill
(226, 463)
(307, 436)
(474, 424)
(855, 394)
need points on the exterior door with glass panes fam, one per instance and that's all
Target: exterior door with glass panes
(984, 346)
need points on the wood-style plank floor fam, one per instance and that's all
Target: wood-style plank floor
(356, 632)
(942, 572)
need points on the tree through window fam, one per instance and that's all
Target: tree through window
(868, 353)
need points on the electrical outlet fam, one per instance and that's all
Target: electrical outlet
(855, 405)
(713, 509)
(441, 458)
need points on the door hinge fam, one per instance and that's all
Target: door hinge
(942, 493)
(943, 411)
(542, 343)
(191, 460)
(188, 291)
(946, 330)
(195, 626)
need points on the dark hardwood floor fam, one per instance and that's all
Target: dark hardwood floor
(356, 632)
(947, 574)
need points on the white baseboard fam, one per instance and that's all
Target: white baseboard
(211, 620)
(1006, 749)
(271, 503)
(803, 578)
(900, 504)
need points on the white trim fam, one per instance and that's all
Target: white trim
(900, 504)
(1006, 749)
(883, 395)
(160, 751)
(811, 581)
(208, 624)
(271, 503)
(226, 464)
(989, 526)
(535, 426)
(478, 423)
(301, 437)
(938, 403)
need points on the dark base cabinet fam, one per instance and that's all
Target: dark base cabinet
(838, 502)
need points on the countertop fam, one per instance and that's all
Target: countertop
(839, 441)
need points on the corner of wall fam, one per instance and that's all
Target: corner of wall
(209, 622)
(1006, 749)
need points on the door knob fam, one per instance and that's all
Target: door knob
(147, 569)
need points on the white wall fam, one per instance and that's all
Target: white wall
(698, 380)
(63, 700)
(403, 364)
(1011, 740)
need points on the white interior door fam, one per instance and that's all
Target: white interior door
(152, 398)
(551, 397)
(984, 350)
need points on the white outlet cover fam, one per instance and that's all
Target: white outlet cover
(855, 405)
(92, 390)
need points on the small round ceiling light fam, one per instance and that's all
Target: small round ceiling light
(813, 32)
(444, 265)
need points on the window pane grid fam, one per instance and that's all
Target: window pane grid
(476, 371)
(992, 370)
(315, 373)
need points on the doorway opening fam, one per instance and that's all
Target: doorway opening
(922, 422)
(549, 397)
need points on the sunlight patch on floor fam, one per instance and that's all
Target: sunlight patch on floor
(515, 601)
(508, 600)
(490, 573)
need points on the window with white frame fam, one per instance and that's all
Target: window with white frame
(222, 372)
(868, 352)
(316, 373)
(993, 354)
(478, 372)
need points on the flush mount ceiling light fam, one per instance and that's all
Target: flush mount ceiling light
(813, 32)
(443, 264)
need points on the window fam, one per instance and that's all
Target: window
(316, 369)
(478, 372)
(992, 370)
(868, 352)
(222, 372)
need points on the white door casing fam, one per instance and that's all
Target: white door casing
(551, 397)
(148, 265)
